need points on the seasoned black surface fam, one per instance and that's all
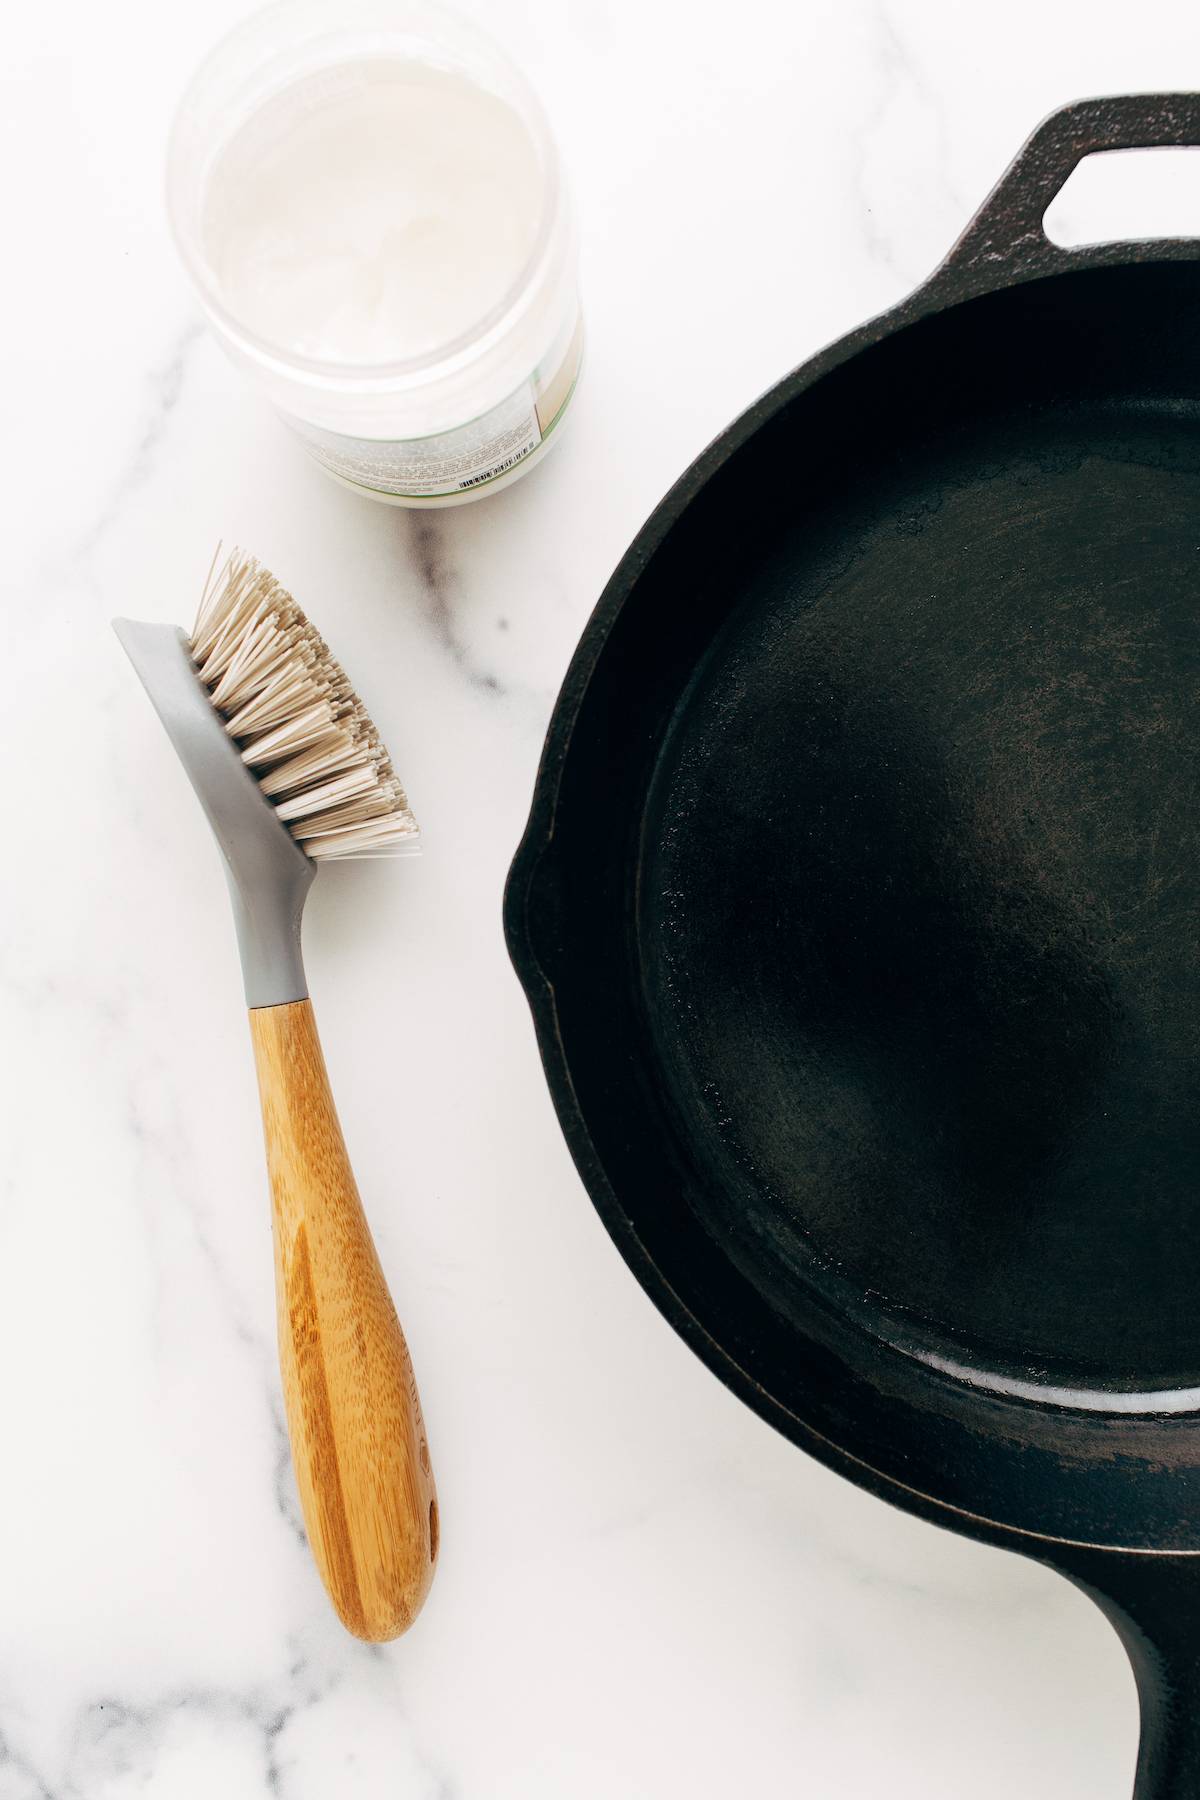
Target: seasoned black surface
(918, 922)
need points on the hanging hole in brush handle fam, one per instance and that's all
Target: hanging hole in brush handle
(1006, 240)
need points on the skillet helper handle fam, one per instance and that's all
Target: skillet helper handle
(1006, 234)
(1153, 1600)
(354, 1416)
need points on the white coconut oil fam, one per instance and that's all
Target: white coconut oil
(370, 202)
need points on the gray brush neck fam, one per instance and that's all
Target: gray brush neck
(269, 875)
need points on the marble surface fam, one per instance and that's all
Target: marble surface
(645, 1593)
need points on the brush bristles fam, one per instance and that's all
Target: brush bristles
(300, 726)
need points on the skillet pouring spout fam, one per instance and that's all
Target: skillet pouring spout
(872, 1018)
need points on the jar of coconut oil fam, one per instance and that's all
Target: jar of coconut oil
(370, 203)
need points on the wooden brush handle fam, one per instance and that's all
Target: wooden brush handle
(358, 1439)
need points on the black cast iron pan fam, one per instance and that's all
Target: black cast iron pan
(858, 907)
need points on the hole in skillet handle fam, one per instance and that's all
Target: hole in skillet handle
(1006, 240)
(1123, 195)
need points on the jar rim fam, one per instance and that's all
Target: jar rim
(321, 371)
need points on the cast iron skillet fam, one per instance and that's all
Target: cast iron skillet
(858, 907)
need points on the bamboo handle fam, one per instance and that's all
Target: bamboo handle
(358, 1439)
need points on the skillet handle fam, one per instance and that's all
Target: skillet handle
(1154, 1603)
(1006, 237)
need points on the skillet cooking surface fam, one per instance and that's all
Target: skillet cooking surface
(918, 902)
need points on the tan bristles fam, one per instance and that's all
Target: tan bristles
(300, 726)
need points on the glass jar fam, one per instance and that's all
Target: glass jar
(465, 412)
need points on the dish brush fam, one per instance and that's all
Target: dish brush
(291, 773)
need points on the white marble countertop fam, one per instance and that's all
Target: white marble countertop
(645, 1593)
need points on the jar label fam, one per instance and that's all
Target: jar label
(457, 461)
